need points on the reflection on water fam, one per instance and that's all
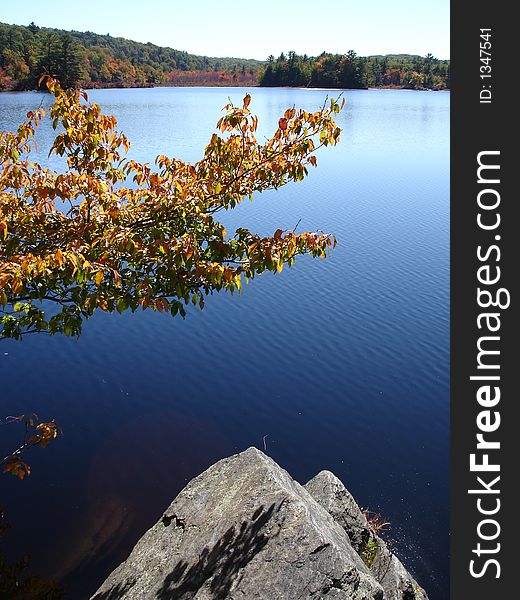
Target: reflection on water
(342, 363)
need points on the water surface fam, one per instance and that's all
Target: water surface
(339, 364)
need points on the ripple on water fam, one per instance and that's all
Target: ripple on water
(339, 364)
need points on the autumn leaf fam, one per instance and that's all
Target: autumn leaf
(36, 434)
(114, 234)
(59, 257)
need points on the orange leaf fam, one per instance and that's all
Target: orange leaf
(117, 278)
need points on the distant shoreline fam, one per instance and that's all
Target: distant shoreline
(240, 85)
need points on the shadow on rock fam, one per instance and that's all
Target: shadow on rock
(115, 592)
(220, 565)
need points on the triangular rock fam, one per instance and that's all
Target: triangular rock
(245, 530)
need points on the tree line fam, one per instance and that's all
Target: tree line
(352, 71)
(90, 60)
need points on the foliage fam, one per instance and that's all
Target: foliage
(91, 60)
(58, 56)
(376, 525)
(114, 234)
(375, 522)
(36, 433)
(234, 77)
(352, 71)
(369, 552)
(16, 585)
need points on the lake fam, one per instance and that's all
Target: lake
(338, 364)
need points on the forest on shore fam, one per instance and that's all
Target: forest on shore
(356, 72)
(91, 60)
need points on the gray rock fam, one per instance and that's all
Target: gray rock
(244, 529)
(329, 492)
(388, 570)
(392, 575)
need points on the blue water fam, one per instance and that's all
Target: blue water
(339, 364)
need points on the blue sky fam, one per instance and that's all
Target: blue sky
(253, 29)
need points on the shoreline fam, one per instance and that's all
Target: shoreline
(238, 85)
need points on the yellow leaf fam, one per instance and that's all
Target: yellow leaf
(98, 277)
(16, 285)
(59, 257)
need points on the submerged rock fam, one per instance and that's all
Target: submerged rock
(244, 529)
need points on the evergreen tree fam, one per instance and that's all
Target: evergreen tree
(69, 63)
(49, 56)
